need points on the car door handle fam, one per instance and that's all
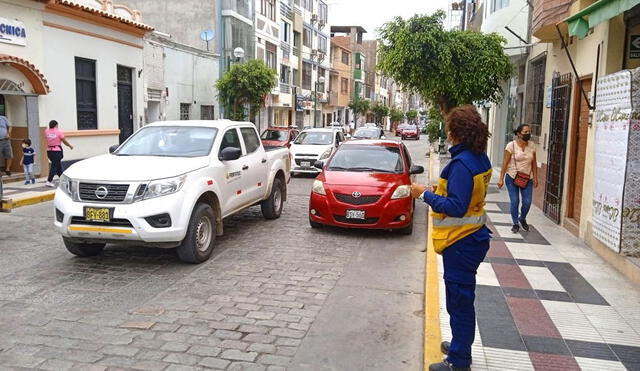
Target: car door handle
(264, 160)
(245, 167)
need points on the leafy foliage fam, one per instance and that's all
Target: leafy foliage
(448, 68)
(359, 106)
(412, 115)
(395, 115)
(245, 84)
(380, 111)
(434, 116)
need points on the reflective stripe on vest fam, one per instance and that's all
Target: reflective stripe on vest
(451, 221)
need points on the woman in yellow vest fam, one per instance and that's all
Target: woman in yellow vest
(458, 231)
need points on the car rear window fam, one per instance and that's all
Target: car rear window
(367, 158)
(277, 135)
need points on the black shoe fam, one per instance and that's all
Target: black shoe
(446, 366)
(515, 228)
(7, 172)
(444, 347)
(524, 224)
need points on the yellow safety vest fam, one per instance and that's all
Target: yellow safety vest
(446, 229)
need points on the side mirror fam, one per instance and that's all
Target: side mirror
(318, 164)
(416, 169)
(113, 148)
(230, 154)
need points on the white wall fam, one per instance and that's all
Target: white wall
(515, 16)
(61, 47)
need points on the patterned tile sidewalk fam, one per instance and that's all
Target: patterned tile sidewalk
(546, 301)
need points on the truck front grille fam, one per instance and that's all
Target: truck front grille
(94, 191)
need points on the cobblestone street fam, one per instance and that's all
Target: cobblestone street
(275, 295)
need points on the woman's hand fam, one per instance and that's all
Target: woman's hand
(500, 183)
(417, 190)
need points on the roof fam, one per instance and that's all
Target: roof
(372, 142)
(342, 41)
(347, 29)
(107, 14)
(322, 130)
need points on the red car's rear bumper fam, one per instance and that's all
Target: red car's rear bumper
(410, 135)
(384, 214)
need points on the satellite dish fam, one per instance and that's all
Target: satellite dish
(207, 35)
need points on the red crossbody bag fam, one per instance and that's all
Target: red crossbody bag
(522, 179)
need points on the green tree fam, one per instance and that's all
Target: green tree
(244, 85)
(448, 68)
(412, 115)
(380, 111)
(359, 106)
(436, 122)
(395, 115)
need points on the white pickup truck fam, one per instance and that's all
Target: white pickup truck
(170, 185)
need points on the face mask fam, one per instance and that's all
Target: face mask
(526, 137)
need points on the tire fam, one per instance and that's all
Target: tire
(83, 249)
(197, 245)
(315, 225)
(401, 138)
(408, 230)
(272, 206)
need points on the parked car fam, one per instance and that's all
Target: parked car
(411, 131)
(279, 137)
(399, 129)
(365, 184)
(312, 145)
(170, 185)
(370, 125)
(369, 133)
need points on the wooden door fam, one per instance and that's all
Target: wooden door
(579, 133)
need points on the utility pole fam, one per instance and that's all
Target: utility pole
(464, 15)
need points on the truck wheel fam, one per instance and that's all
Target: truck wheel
(272, 206)
(83, 249)
(201, 235)
(314, 225)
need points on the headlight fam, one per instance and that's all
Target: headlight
(68, 186)
(163, 187)
(318, 187)
(326, 154)
(402, 191)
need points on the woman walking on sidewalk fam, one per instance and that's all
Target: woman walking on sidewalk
(520, 173)
(55, 138)
(458, 231)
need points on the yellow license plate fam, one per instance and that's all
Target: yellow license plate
(97, 214)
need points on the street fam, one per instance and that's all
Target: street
(274, 295)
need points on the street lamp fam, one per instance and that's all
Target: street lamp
(238, 53)
(315, 100)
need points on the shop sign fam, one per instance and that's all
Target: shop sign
(12, 32)
(634, 47)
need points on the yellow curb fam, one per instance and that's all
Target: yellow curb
(432, 335)
(13, 204)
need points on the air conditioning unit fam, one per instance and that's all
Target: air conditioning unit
(321, 24)
(321, 55)
(314, 53)
(314, 18)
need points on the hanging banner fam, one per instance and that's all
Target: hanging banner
(630, 244)
(612, 125)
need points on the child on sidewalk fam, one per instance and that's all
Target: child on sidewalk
(28, 156)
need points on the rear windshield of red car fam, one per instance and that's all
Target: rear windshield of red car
(367, 158)
(277, 135)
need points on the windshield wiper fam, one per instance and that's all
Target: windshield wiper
(371, 169)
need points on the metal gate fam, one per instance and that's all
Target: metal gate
(560, 101)
(125, 102)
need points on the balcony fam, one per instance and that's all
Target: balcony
(285, 89)
(546, 14)
(333, 98)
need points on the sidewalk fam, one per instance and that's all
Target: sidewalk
(18, 194)
(546, 301)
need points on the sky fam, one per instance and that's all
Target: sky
(371, 14)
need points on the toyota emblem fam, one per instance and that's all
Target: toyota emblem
(356, 194)
(101, 192)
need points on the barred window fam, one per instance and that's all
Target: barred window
(535, 94)
(86, 99)
(184, 111)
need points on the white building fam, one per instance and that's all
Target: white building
(90, 80)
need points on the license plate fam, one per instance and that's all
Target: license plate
(355, 214)
(97, 214)
(305, 164)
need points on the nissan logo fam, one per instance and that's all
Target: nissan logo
(101, 192)
(356, 194)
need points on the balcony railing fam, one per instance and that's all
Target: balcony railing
(285, 89)
(296, 52)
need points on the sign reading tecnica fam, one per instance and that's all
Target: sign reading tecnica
(12, 32)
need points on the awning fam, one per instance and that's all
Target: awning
(596, 13)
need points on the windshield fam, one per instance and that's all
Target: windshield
(381, 159)
(315, 138)
(411, 127)
(367, 133)
(277, 135)
(169, 141)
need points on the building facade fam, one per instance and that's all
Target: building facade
(341, 80)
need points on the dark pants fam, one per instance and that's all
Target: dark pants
(461, 261)
(56, 164)
(514, 195)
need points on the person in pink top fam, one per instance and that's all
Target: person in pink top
(55, 138)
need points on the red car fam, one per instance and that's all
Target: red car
(365, 184)
(410, 131)
(399, 129)
(279, 137)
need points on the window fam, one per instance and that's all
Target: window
(296, 77)
(306, 37)
(206, 112)
(498, 4)
(322, 43)
(170, 141)
(251, 140)
(296, 39)
(321, 73)
(322, 12)
(268, 9)
(270, 56)
(184, 111)
(3, 107)
(535, 94)
(230, 139)
(344, 86)
(308, 5)
(285, 74)
(345, 57)
(86, 102)
(306, 75)
(286, 32)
